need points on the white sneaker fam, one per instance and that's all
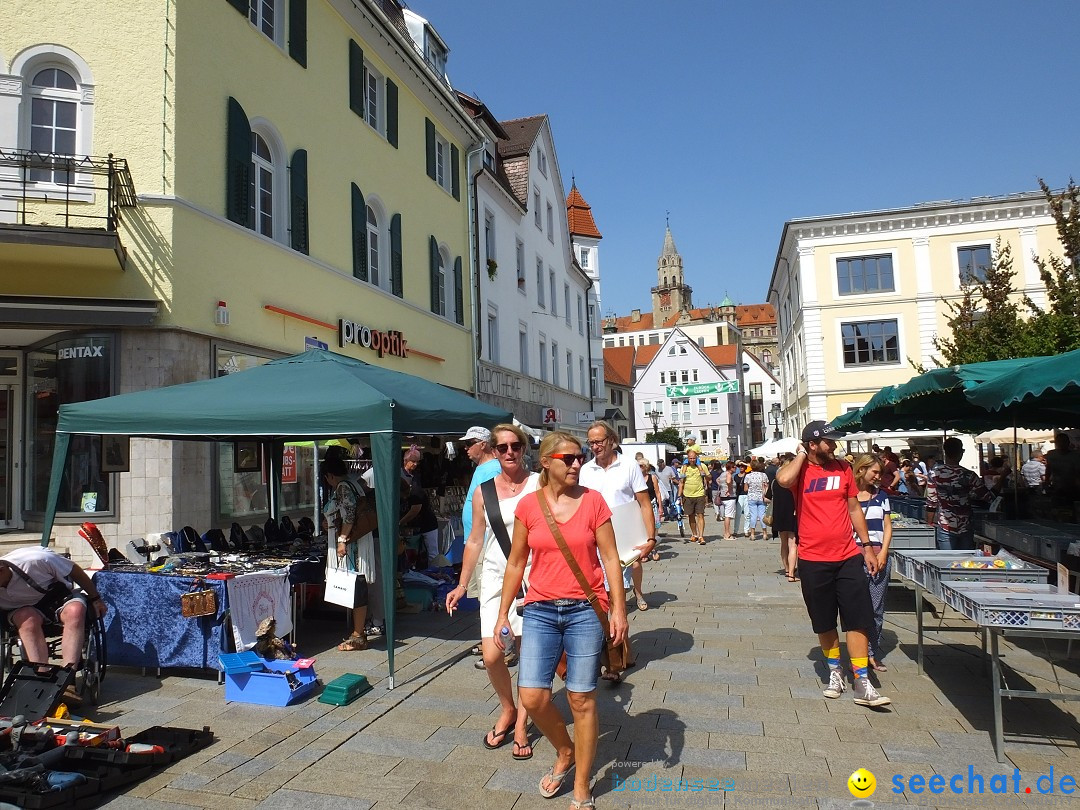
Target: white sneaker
(836, 684)
(867, 695)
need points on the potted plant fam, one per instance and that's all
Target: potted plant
(492, 268)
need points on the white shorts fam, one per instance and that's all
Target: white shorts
(728, 507)
(493, 568)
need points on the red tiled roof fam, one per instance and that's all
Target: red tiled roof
(619, 365)
(721, 356)
(626, 323)
(645, 354)
(755, 315)
(579, 215)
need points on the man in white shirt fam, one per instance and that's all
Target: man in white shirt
(620, 481)
(1034, 470)
(667, 478)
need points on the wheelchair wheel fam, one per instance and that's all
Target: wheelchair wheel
(89, 677)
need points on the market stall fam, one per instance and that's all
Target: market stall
(310, 396)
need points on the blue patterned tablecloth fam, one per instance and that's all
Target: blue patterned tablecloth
(144, 628)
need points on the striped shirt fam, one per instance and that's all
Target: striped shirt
(875, 510)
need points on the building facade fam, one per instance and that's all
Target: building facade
(860, 297)
(533, 333)
(302, 184)
(585, 241)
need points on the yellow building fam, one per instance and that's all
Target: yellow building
(859, 297)
(269, 173)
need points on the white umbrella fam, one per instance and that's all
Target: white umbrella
(776, 447)
(1020, 436)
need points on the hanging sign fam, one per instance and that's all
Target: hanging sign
(288, 466)
(722, 387)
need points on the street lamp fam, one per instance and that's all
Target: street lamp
(654, 417)
(776, 416)
(733, 442)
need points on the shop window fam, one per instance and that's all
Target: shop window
(75, 369)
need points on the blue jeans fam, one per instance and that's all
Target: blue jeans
(547, 630)
(947, 540)
(757, 515)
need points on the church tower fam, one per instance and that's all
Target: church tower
(671, 295)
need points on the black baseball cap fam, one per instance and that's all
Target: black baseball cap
(816, 431)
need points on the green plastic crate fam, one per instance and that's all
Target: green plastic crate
(344, 690)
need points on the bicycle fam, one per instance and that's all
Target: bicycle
(677, 505)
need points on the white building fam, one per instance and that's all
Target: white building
(533, 338)
(585, 240)
(693, 388)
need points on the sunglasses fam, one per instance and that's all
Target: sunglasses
(470, 442)
(504, 447)
(569, 458)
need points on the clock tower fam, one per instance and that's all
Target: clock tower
(671, 295)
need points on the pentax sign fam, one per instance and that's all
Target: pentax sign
(380, 342)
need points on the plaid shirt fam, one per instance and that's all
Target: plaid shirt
(951, 491)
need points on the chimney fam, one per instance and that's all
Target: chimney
(635, 315)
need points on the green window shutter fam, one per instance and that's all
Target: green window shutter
(455, 179)
(298, 31)
(391, 113)
(459, 293)
(357, 78)
(396, 281)
(298, 201)
(243, 6)
(238, 167)
(433, 258)
(429, 131)
(359, 234)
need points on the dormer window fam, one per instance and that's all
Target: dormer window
(489, 159)
(435, 54)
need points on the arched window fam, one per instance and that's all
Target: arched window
(375, 273)
(54, 114)
(262, 186)
(766, 357)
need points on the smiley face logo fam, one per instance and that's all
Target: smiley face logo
(862, 784)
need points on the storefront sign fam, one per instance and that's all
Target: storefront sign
(381, 343)
(528, 398)
(74, 352)
(722, 387)
(288, 466)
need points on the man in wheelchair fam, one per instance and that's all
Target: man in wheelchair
(38, 586)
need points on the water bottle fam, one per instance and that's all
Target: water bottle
(504, 637)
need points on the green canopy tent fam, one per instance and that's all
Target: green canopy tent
(314, 395)
(1042, 388)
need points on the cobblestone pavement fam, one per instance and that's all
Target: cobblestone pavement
(727, 690)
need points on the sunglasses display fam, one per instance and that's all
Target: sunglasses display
(569, 458)
(504, 447)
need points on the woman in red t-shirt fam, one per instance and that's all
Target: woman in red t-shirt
(557, 615)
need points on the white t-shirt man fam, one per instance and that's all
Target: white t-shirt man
(667, 477)
(618, 482)
(43, 566)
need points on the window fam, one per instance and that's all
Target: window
(551, 289)
(581, 317)
(519, 257)
(440, 284)
(701, 407)
(693, 375)
(674, 411)
(592, 315)
(523, 348)
(540, 283)
(493, 335)
(375, 274)
(685, 375)
(373, 106)
(489, 160)
(715, 436)
(654, 339)
(581, 374)
(973, 261)
(766, 357)
(261, 13)
(54, 106)
(536, 209)
(594, 380)
(261, 193)
(434, 54)
(442, 162)
(686, 410)
(714, 405)
(550, 223)
(554, 363)
(541, 161)
(864, 274)
(570, 371)
(868, 343)
(489, 238)
(566, 303)
(584, 259)
(662, 377)
(543, 359)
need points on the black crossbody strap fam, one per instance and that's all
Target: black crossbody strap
(494, 516)
(26, 577)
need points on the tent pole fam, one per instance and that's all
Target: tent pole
(60, 450)
(1016, 474)
(317, 489)
(387, 485)
(277, 453)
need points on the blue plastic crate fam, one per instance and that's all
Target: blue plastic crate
(246, 683)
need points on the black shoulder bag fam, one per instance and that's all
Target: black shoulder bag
(498, 528)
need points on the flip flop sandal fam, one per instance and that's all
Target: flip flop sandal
(614, 678)
(519, 747)
(477, 650)
(498, 735)
(583, 804)
(642, 604)
(353, 644)
(557, 778)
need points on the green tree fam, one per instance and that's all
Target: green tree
(669, 435)
(985, 323)
(1056, 328)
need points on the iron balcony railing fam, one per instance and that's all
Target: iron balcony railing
(52, 189)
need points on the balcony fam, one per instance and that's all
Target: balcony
(62, 210)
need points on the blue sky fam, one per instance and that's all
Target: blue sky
(739, 116)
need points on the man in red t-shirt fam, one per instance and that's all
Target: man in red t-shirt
(830, 564)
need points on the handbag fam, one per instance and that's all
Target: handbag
(366, 520)
(498, 528)
(198, 601)
(344, 587)
(767, 520)
(615, 657)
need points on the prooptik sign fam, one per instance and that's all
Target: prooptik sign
(380, 342)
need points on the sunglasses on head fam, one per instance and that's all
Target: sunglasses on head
(504, 447)
(569, 458)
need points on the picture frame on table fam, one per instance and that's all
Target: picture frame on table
(115, 454)
(246, 457)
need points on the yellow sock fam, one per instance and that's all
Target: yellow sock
(858, 667)
(832, 657)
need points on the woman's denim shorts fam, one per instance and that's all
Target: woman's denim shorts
(547, 629)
